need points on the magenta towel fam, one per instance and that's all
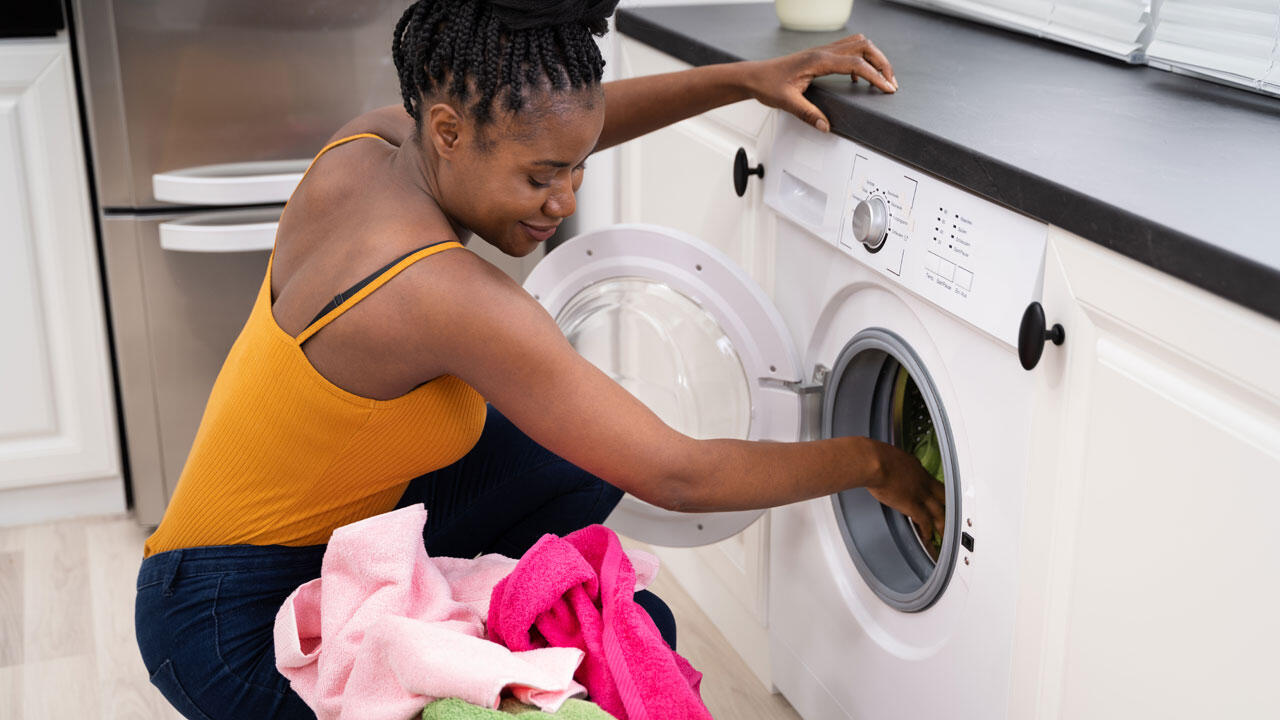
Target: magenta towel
(577, 592)
(385, 630)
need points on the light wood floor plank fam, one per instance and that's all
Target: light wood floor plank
(11, 615)
(114, 556)
(11, 693)
(12, 538)
(61, 688)
(729, 688)
(56, 593)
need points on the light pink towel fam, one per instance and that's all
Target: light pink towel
(576, 592)
(386, 630)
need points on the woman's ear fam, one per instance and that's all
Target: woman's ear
(443, 127)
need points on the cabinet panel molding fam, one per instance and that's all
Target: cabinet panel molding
(57, 421)
(1119, 292)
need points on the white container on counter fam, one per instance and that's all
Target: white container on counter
(813, 15)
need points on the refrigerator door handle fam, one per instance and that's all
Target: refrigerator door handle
(243, 231)
(249, 183)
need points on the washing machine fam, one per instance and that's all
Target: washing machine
(897, 313)
(909, 297)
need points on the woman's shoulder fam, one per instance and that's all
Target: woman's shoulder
(339, 170)
(391, 123)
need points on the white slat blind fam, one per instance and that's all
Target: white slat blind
(1233, 41)
(1118, 28)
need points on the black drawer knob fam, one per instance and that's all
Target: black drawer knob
(1032, 336)
(742, 172)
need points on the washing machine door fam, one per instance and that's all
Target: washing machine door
(688, 332)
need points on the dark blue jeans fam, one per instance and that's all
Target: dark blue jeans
(205, 616)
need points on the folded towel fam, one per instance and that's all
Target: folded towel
(576, 592)
(386, 629)
(455, 709)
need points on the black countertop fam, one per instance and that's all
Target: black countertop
(1180, 174)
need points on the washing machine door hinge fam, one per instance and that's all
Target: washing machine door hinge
(811, 394)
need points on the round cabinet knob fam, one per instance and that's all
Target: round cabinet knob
(1032, 336)
(742, 171)
(870, 222)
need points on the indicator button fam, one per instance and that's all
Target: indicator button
(931, 263)
(946, 269)
(964, 278)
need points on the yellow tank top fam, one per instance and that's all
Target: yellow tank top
(283, 456)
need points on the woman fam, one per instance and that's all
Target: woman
(376, 340)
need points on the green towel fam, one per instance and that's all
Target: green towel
(455, 709)
(929, 454)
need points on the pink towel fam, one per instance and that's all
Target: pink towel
(576, 592)
(386, 630)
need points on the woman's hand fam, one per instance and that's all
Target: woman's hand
(781, 82)
(907, 487)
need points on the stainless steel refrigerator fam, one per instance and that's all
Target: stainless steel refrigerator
(202, 115)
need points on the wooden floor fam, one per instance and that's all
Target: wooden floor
(67, 647)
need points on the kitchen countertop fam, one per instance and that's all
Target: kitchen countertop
(1180, 174)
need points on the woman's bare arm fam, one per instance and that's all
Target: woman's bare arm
(641, 105)
(482, 327)
(637, 106)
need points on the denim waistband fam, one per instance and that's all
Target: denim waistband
(166, 566)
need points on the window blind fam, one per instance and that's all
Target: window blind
(1232, 41)
(1118, 28)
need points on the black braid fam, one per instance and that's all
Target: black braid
(462, 48)
(511, 77)
(571, 67)
(465, 49)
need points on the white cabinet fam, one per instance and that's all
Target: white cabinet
(1149, 550)
(58, 447)
(682, 177)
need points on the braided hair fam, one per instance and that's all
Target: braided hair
(484, 49)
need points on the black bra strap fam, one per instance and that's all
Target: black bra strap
(342, 296)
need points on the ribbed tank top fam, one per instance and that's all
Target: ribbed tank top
(283, 456)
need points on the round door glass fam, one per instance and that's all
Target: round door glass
(666, 350)
(880, 389)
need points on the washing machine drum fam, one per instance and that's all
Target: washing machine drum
(878, 388)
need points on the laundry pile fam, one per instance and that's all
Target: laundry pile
(577, 592)
(386, 631)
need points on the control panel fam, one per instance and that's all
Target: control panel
(978, 260)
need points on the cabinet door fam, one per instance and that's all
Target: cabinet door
(682, 176)
(1151, 571)
(57, 417)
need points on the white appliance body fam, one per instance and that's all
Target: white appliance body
(950, 281)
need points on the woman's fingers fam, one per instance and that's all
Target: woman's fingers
(807, 111)
(781, 82)
(858, 57)
(858, 67)
(872, 55)
(937, 513)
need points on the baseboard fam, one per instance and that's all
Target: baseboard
(60, 501)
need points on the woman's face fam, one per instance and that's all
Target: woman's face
(513, 181)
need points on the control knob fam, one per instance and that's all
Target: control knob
(870, 223)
